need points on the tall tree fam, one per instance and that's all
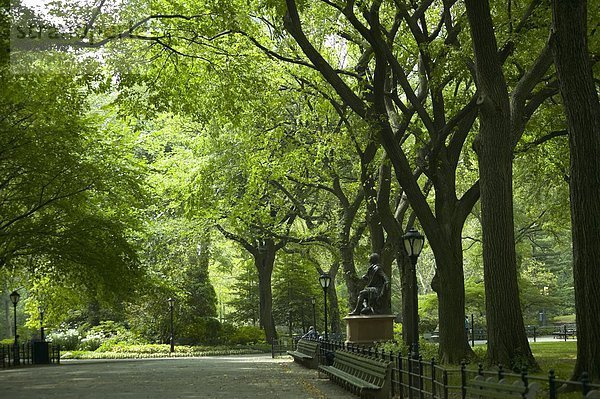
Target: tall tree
(501, 116)
(582, 108)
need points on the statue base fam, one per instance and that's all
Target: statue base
(367, 329)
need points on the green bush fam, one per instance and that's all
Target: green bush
(91, 342)
(245, 335)
(398, 332)
(200, 331)
(67, 339)
(7, 341)
(106, 335)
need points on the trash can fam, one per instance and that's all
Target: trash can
(41, 353)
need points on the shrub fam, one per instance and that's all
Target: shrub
(106, 335)
(200, 330)
(67, 339)
(245, 335)
(91, 342)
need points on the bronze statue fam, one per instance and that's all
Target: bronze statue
(369, 299)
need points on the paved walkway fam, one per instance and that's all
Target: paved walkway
(229, 377)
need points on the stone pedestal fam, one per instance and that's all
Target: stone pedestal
(366, 329)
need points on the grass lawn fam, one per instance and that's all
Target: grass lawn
(558, 355)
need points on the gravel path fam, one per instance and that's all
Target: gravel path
(234, 377)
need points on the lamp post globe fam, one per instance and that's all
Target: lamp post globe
(171, 336)
(325, 281)
(413, 244)
(14, 298)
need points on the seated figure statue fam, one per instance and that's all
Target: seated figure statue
(368, 301)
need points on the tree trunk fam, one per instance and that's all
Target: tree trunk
(353, 283)
(449, 285)
(264, 262)
(582, 108)
(507, 340)
(332, 301)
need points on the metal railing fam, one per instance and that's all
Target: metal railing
(28, 354)
(419, 379)
(279, 347)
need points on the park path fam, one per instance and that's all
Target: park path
(230, 377)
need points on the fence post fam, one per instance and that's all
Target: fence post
(400, 374)
(524, 377)
(433, 382)
(500, 372)
(411, 367)
(463, 379)
(585, 380)
(421, 377)
(480, 369)
(445, 381)
(534, 334)
(551, 384)
(565, 331)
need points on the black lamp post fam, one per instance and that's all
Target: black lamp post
(325, 280)
(14, 298)
(314, 301)
(41, 310)
(172, 337)
(413, 244)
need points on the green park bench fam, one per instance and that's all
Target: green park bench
(365, 376)
(565, 331)
(306, 353)
(488, 388)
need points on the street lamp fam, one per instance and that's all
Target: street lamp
(413, 244)
(172, 337)
(314, 301)
(41, 310)
(14, 298)
(325, 280)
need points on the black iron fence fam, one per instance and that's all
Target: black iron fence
(420, 379)
(29, 353)
(279, 347)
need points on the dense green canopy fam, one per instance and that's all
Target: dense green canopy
(227, 153)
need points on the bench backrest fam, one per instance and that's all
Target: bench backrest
(594, 394)
(370, 369)
(481, 387)
(307, 347)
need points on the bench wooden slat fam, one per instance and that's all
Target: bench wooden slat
(355, 380)
(360, 374)
(306, 353)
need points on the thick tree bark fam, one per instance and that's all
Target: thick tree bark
(507, 340)
(332, 301)
(582, 108)
(264, 260)
(449, 285)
